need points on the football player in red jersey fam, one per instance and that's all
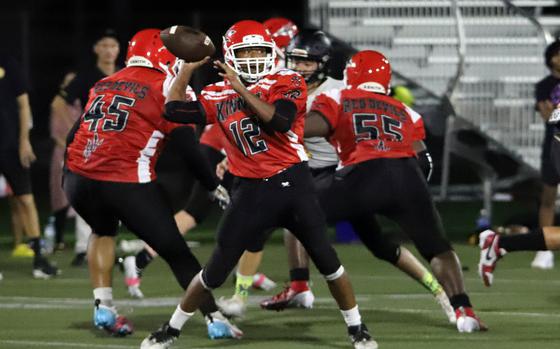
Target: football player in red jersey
(261, 113)
(109, 176)
(282, 31)
(378, 140)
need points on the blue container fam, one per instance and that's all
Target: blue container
(345, 233)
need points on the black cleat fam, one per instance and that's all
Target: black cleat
(42, 269)
(162, 338)
(360, 337)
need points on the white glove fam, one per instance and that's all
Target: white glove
(221, 194)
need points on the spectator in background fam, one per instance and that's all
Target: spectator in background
(550, 176)
(66, 107)
(16, 156)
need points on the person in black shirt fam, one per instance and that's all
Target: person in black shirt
(16, 156)
(66, 107)
(549, 174)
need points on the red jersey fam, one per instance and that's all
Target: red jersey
(122, 129)
(213, 137)
(253, 152)
(367, 125)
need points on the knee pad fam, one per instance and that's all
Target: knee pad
(430, 249)
(389, 252)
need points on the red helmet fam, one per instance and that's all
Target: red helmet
(247, 34)
(146, 49)
(369, 70)
(282, 30)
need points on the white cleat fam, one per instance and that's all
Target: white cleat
(543, 260)
(132, 277)
(490, 253)
(468, 322)
(443, 302)
(163, 338)
(233, 307)
(262, 282)
(360, 337)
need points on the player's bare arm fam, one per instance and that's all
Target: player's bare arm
(262, 109)
(545, 109)
(26, 154)
(179, 85)
(177, 108)
(316, 125)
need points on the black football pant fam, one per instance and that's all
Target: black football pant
(286, 200)
(142, 208)
(394, 188)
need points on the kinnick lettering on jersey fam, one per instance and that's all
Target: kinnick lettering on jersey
(231, 106)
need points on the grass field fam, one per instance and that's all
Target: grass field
(521, 309)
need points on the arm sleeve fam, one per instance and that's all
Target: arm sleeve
(185, 139)
(284, 115)
(185, 112)
(327, 107)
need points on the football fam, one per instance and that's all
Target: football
(187, 43)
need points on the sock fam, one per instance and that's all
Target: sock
(60, 223)
(179, 318)
(352, 316)
(105, 295)
(242, 285)
(532, 241)
(431, 284)
(143, 258)
(35, 244)
(460, 300)
(299, 274)
(299, 286)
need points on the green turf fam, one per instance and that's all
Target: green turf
(521, 309)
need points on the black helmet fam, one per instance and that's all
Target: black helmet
(310, 44)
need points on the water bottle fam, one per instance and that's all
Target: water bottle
(49, 236)
(483, 221)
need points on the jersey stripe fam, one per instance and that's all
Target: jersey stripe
(146, 156)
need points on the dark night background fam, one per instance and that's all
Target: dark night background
(50, 38)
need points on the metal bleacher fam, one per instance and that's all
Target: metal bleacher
(482, 57)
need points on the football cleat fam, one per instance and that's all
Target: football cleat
(467, 321)
(443, 302)
(220, 328)
(132, 277)
(490, 253)
(261, 282)
(23, 251)
(289, 298)
(233, 307)
(106, 318)
(79, 260)
(543, 260)
(163, 338)
(42, 269)
(360, 337)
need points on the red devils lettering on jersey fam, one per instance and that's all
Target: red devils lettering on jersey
(367, 125)
(121, 133)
